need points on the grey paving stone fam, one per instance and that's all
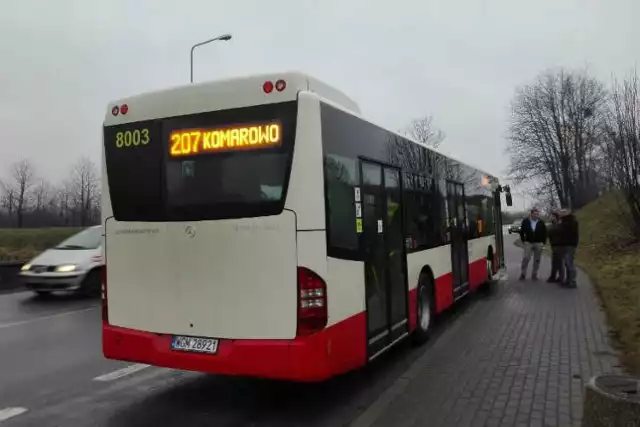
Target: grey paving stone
(521, 358)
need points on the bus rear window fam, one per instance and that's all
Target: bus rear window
(217, 165)
(225, 186)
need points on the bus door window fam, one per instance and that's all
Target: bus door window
(373, 246)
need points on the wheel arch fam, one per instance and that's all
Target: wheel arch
(426, 276)
(427, 273)
(490, 257)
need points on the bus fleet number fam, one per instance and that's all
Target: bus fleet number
(129, 138)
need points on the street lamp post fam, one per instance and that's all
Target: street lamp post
(224, 37)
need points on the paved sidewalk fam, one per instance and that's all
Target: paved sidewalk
(517, 358)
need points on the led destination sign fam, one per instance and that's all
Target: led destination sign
(188, 142)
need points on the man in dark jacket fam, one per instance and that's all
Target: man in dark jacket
(557, 249)
(533, 234)
(570, 238)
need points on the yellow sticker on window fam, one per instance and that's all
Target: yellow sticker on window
(358, 225)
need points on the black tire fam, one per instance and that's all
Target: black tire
(425, 302)
(487, 286)
(43, 294)
(92, 283)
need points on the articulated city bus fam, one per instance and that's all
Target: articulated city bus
(260, 226)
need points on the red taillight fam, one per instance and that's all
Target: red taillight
(281, 85)
(267, 87)
(124, 108)
(115, 110)
(312, 302)
(103, 296)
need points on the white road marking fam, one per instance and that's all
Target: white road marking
(53, 316)
(131, 369)
(7, 413)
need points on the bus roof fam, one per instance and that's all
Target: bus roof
(237, 92)
(227, 93)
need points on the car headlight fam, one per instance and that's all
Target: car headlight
(26, 267)
(65, 268)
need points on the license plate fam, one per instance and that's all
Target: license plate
(194, 344)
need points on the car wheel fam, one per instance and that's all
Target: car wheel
(91, 284)
(425, 310)
(43, 294)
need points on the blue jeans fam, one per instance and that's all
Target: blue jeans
(570, 266)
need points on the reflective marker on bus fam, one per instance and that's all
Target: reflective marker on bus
(261, 227)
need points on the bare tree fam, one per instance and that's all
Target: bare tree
(424, 131)
(22, 176)
(84, 186)
(61, 202)
(622, 127)
(8, 199)
(27, 201)
(42, 194)
(556, 135)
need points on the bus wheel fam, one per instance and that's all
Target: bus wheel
(425, 310)
(490, 268)
(487, 286)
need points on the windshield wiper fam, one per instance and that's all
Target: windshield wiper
(71, 247)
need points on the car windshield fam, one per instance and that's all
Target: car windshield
(89, 238)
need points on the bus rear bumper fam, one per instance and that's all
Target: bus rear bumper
(315, 358)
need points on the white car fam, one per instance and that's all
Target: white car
(74, 265)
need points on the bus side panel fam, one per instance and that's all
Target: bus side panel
(346, 292)
(439, 261)
(306, 184)
(342, 346)
(478, 259)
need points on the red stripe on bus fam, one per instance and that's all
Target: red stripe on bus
(443, 292)
(337, 349)
(477, 273)
(444, 284)
(413, 309)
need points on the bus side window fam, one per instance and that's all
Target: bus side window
(341, 176)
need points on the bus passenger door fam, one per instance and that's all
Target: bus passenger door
(499, 232)
(383, 247)
(459, 241)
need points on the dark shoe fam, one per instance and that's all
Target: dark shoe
(552, 280)
(522, 277)
(534, 278)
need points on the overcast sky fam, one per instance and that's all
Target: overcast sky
(62, 61)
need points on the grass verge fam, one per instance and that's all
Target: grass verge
(611, 259)
(22, 244)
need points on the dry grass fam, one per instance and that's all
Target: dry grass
(612, 260)
(23, 244)
(609, 256)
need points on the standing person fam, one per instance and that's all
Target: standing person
(570, 238)
(533, 234)
(557, 249)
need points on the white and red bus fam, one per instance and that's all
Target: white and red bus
(260, 226)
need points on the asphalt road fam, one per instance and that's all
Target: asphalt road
(52, 373)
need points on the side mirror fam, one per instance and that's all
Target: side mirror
(509, 200)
